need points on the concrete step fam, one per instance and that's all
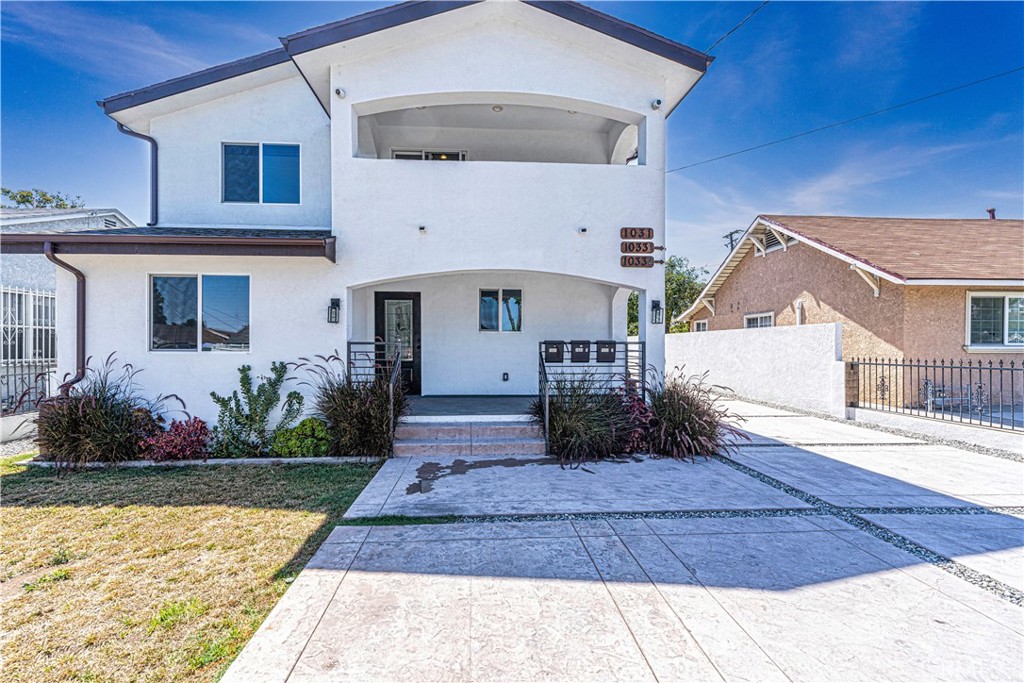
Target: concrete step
(482, 446)
(465, 431)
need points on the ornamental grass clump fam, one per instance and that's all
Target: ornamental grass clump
(585, 421)
(103, 418)
(244, 427)
(687, 419)
(359, 415)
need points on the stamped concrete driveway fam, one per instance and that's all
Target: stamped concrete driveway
(820, 551)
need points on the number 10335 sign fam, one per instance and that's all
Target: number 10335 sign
(637, 261)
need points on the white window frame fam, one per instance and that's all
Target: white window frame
(1006, 295)
(501, 295)
(767, 314)
(199, 314)
(463, 154)
(700, 325)
(259, 156)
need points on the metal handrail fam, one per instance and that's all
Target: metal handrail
(393, 379)
(545, 397)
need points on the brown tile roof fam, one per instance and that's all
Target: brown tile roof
(920, 248)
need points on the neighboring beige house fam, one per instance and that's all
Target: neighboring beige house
(901, 287)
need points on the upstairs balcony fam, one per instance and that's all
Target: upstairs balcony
(485, 127)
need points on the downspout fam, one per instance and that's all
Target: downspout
(154, 196)
(79, 318)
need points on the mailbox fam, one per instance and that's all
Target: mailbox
(554, 351)
(580, 351)
(606, 352)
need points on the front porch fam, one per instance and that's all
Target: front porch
(470, 342)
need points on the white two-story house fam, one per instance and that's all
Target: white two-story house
(453, 177)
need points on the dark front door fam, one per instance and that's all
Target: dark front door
(397, 321)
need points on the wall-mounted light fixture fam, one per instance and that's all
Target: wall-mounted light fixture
(334, 312)
(581, 230)
(423, 229)
(657, 313)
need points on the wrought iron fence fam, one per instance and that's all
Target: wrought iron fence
(988, 393)
(28, 348)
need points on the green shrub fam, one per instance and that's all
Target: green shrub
(585, 420)
(310, 438)
(686, 418)
(103, 418)
(358, 415)
(243, 425)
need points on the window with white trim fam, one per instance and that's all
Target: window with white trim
(754, 320)
(700, 325)
(995, 319)
(260, 173)
(501, 310)
(429, 154)
(175, 322)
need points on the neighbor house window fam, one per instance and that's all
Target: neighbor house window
(175, 320)
(995, 319)
(700, 325)
(264, 173)
(501, 310)
(758, 320)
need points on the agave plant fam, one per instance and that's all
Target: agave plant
(687, 419)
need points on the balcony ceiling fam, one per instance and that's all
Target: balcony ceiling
(483, 116)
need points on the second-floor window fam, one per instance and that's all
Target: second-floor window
(261, 173)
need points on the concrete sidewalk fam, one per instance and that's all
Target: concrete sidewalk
(821, 551)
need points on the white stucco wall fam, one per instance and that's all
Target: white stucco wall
(460, 359)
(799, 366)
(191, 160)
(288, 317)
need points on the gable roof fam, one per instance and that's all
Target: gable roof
(918, 248)
(390, 17)
(904, 251)
(11, 217)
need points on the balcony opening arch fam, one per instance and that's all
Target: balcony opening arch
(497, 127)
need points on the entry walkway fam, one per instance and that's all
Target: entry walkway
(436, 406)
(820, 551)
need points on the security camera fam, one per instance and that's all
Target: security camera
(339, 93)
(583, 231)
(656, 104)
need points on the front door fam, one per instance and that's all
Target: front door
(397, 321)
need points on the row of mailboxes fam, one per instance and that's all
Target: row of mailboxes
(579, 351)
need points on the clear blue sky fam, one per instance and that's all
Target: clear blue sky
(792, 67)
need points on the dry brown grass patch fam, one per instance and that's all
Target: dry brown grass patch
(153, 574)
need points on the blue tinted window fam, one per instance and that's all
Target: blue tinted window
(511, 310)
(280, 174)
(173, 317)
(488, 310)
(241, 173)
(225, 313)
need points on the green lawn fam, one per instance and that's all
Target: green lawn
(155, 574)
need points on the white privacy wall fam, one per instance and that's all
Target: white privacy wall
(799, 366)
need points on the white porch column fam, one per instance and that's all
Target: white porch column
(618, 316)
(653, 335)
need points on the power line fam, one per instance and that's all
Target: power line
(736, 27)
(846, 121)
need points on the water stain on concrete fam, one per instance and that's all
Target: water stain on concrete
(429, 472)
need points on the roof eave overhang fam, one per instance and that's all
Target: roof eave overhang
(325, 247)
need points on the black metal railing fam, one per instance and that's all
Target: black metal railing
(986, 393)
(371, 359)
(394, 380)
(23, 384)
(622, 367)
(544, 392)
